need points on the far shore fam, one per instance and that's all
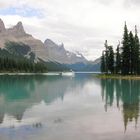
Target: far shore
(20, 73)
(46, 73)
(34, 73)
(123, 77)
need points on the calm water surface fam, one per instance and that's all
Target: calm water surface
(68, 108)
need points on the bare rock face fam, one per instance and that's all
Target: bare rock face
(2, 26)
(18, 34)
(19, 28)
(59, 54)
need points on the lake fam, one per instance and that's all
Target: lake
(68, 108)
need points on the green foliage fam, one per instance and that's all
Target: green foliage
(103, 63)
(110, 59)
(17, 48)
(17, 63)
(107, 59)
(118, 60)
(125, 52)
(131, 52)
(106, 56)
(136, 53)
(127, 58)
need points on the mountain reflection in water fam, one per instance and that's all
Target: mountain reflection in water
(19, 95)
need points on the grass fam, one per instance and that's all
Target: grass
(116, 76)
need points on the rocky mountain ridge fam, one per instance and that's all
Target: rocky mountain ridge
(48, 51)
(60, 54)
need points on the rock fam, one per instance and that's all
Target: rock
(17, 31)
(2, 26)
(19, 27)
(59, 54)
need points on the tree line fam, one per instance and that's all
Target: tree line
(15, 63)
(126, 59)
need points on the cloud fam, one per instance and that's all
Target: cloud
(82, 25)
(131, 2)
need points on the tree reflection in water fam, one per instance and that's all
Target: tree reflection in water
(125, 91)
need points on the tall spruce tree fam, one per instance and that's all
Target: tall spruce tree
(103, 63)
(106, 57)
(136, 53)
(110, 59)
(132, 57)
(118, 60)
(125, 52)
(127, 57)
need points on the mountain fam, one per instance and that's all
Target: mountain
(18, 34)
(55, 56)
(59, 54)
(75, 61)
(89, 66)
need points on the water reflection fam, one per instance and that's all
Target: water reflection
(125, 91)
(49, 102)
(19, 93)
(16, 95)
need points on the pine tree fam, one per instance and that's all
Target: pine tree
(103, 63)
(106, 56)
(110, 59)
(107, 59)
(136, 53)
(127, 58)
(118, 59)
(125, 52)
(131, 49)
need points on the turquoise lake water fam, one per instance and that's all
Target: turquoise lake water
(68, 108)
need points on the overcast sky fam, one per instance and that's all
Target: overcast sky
(82, 25)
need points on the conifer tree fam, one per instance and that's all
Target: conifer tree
(106, 56)
(125, 52)
(127, 58)
(110, 59)
(118, 60)
(131, 49)
(103, 63)
(136, 53)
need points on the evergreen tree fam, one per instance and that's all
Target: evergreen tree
(127, 58)
(103, 63)
(136, 53)
(110, 59)
(131, 49)
(106, 57)
(14, 63)
(125, 52)
(118, 59)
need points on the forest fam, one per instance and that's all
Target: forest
(11, 60)
(126, 59)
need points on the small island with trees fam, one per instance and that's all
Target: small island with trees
(124, 63)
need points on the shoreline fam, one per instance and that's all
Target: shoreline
(121, 77)
(22, 73)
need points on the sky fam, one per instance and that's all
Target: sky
(82, 25)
